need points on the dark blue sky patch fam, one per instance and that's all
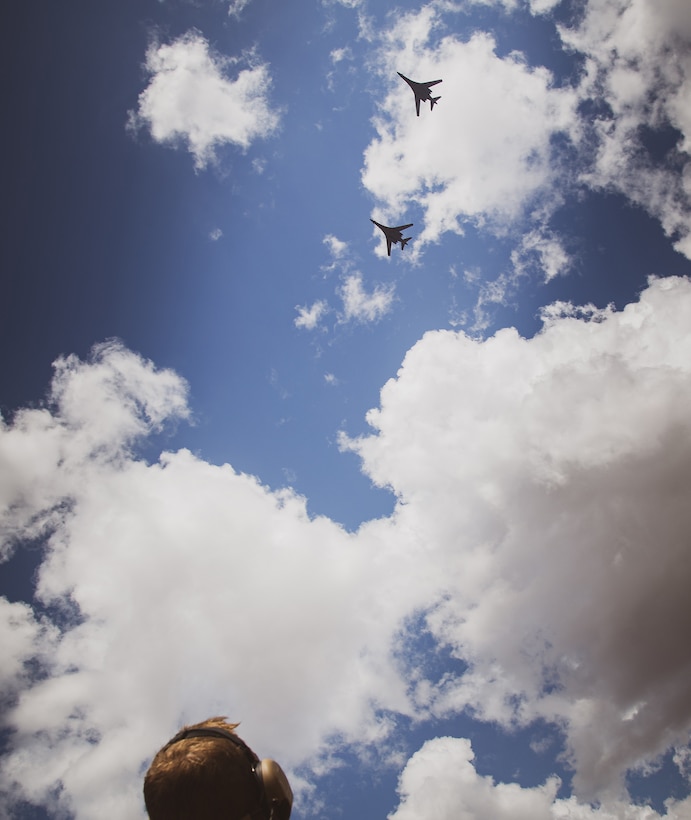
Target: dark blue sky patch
(664, 781)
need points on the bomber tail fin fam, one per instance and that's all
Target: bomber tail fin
(433, 102)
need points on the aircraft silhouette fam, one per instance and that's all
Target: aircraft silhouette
(394, 235)
(421, 91)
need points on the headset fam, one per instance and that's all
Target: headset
(274, 789)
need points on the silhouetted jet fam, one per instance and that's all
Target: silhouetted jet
(394, 235)
(421, 91)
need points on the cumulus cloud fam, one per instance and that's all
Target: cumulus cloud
(166, 581)
(541, 530)
(191, 99)
(97, 410)
(440, 783)
(550, 477)
(502, 116)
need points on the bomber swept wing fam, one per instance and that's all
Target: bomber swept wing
(394, 235)
(421, 91)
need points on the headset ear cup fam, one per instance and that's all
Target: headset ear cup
(279, 795)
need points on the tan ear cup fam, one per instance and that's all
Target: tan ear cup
(279, 795)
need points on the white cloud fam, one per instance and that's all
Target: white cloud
(349, 4)
(236, 7)
(104, 408)
(163, 565)
(22, 638)
(485, 152)
(259, 165)
(682, 759)
(550, 479)
(360, 306)
(639, 64)
(492, 292)
(338, 251)
(215, 234)
(535, 7)
(309, 317)
(543, 6)
(440, 783)
(540, 251)
(336, 246)
(339, 54)
(560, 309)
(542, 527)
(543, 249)
(191, 99)
(504, 115)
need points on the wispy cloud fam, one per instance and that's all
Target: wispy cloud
(339, 54)
(337, 248)
(542, 250)
(308, 318)
(349, 4)
(492, 293)
(360, 306)
(236, 7)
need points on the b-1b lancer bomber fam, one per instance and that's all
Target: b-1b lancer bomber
(394, 235)
(421, 91)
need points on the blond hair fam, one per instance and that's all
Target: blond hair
(202, 778)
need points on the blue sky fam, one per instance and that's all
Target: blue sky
(420, 523)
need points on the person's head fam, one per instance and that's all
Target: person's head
(207, 772)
